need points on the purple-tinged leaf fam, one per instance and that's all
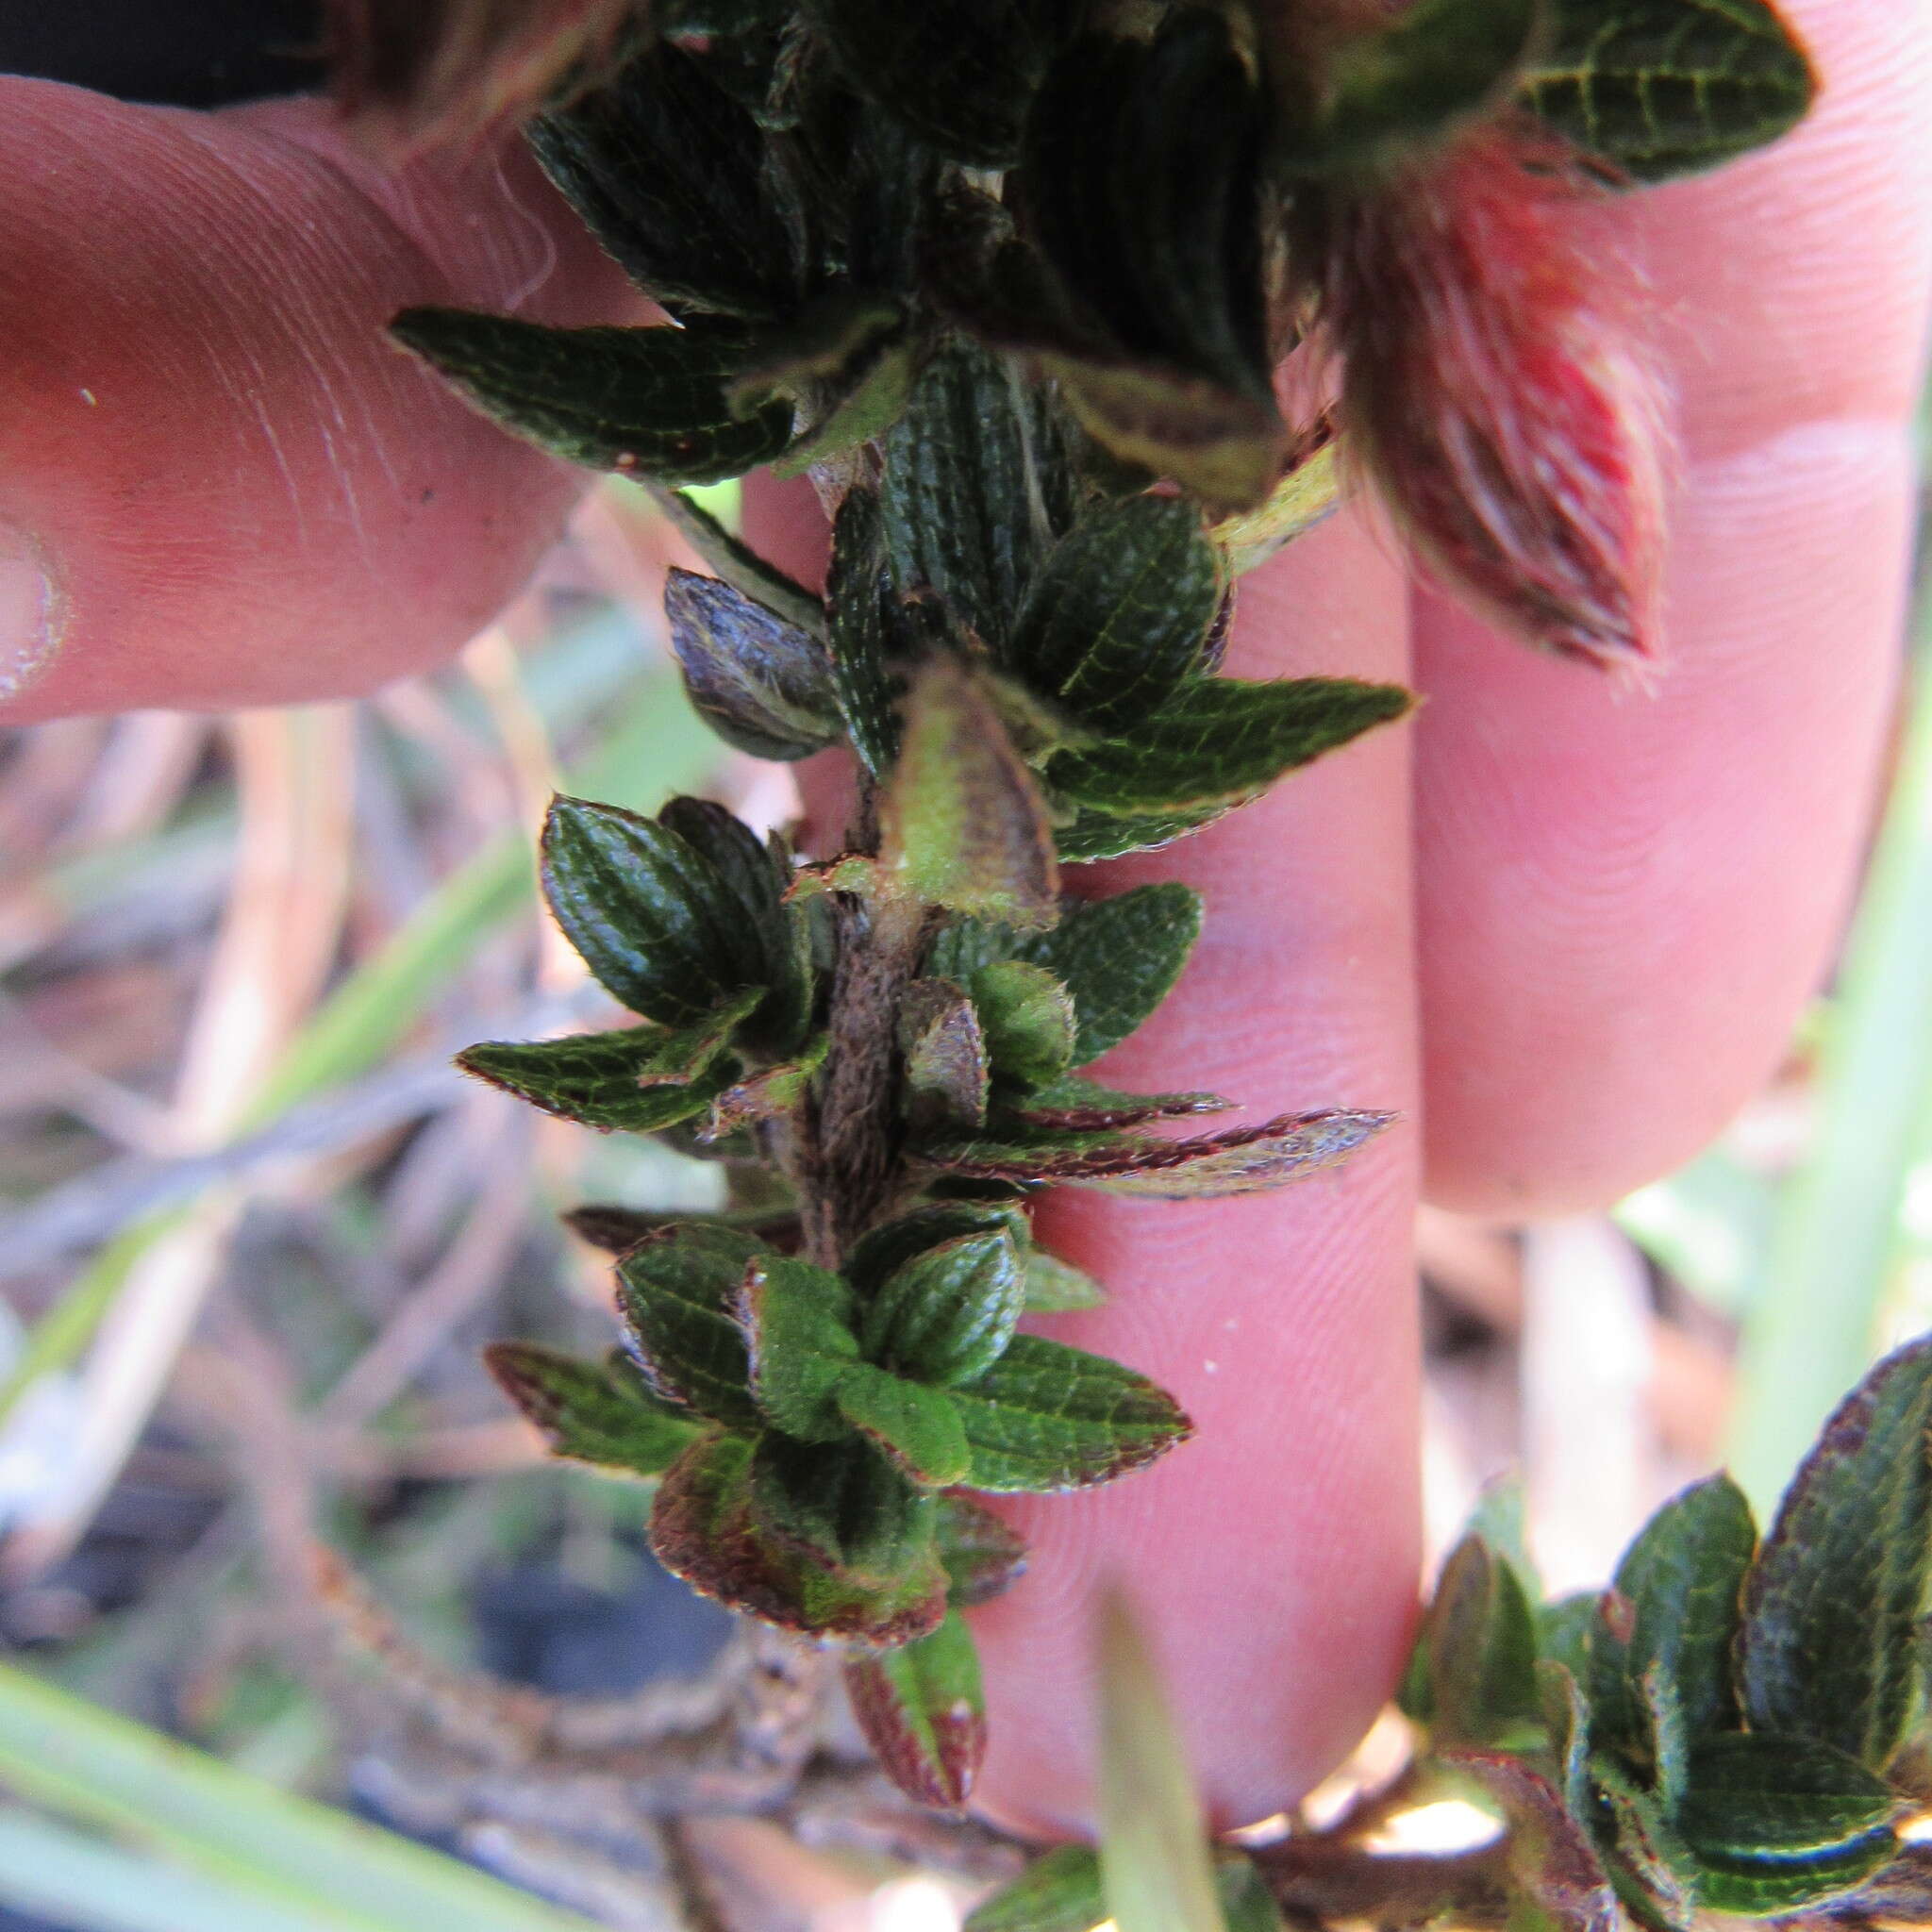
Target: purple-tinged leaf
(1554, 1872)
(923, 1713)
(944, 1055)
(983, 1555)
(1242, 1161)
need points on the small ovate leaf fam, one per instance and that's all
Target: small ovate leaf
(1646, 1859)
(1242, 1161)
(1660, 88)
(670, 173)
(1058, 1288)
(914, 1425)
(1500, 1517)
(1117, 616)
(737, 564)
(650, 916)
(844, 1507)
(646, 401)
(1773, 1823)
(1309, 491)
(590, 1413)
(1027, 1019)
(1413, 80)
(962, 822)
(768, 1095)
(882, 1251)
(944, 1052)
(705, 1528)
(1059, 1892)
(798, 1326)
(835, 338)
(1153, 1855)
(1046, 1417)
(959, 507)
(1682, 1581)
(1080, 1105)
(1831, 1646)
(1566, 1717)
(1220, 742)
(923, 1713)
(758, 680)
(983, 1556)
(1089, 835)
(634, 1078)
(946, 1316)
(957, 73)
(858, 596)
(1118, 957)
(677, 1292)
(617, 1229)
(1481, 1636)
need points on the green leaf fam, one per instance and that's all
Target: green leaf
(869, 404)
(637, 1078)
(857, 594)
(882, 1251)
(1080, 1105)
(1118, 957)
(1676, 1611)
(983, 1555)
(798, 1330)
(659, 929)
(1773, 1823)
(588, 1411)
(1308, 494)
(1153, 1861)
(1414, 79)
(1566, 1715)
(1500, 1517)
(1481, 1636)
(649, 402)
(1058, 1288)
(1060, 1891)
(1647, 1861)
(677, 1291)
(944, 1055)
(705, 1528)
(958, 72)
(1047, 1417)
(947, 1315)
(671, 175)
(1117, 615)
(959, 507)
(962, 822)
(1090, 834)
(1831, 1645)
(1026, 1017)
(915, 1426)
(1241, 1160)
(756, 876)
(1220, 742)
(1247, 1905)
(845, 1506)
(761, 683)
(1661, 87)
(922, 1712)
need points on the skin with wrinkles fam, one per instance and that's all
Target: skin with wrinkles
(1583, 943)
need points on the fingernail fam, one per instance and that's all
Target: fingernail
(32, 613)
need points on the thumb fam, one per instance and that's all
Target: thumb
(220, 485)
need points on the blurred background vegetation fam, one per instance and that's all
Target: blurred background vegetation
(256, 1229)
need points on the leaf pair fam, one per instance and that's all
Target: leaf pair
(683, 919)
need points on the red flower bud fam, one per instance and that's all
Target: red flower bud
(1494, 387)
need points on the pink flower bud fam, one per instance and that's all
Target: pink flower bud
(1495, 389)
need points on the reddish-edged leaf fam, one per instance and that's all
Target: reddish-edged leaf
(704, 1528)
(1047, 1417)
(1082, 1107)
(1558, 1882)
(593, 1412)
(1242, 1161)
(677, 1292)
(944, 1055)
(916, 1426)
(983, 1555)
(922, 1712)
